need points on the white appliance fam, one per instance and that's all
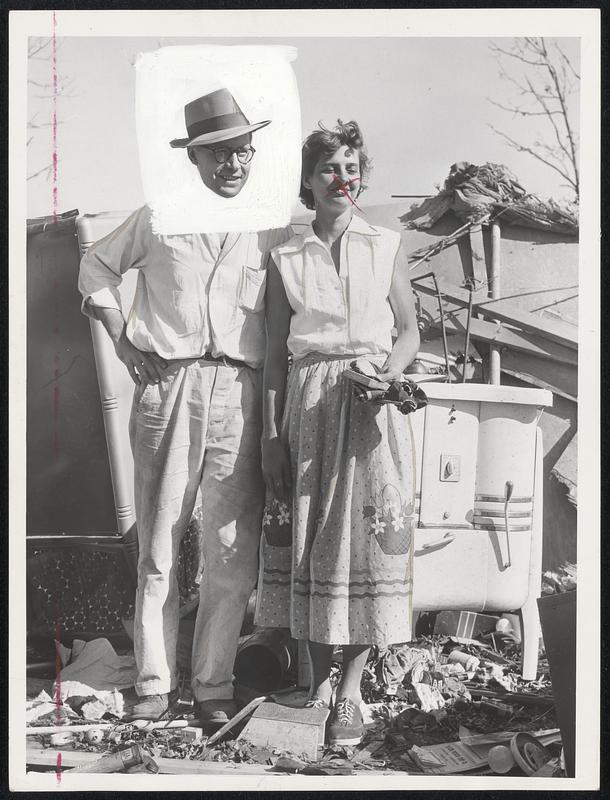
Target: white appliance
(480, 467)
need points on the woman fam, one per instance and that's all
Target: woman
(341, 572)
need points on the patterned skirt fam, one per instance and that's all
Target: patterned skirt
(336, 567)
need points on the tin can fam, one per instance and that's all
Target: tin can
(468, 661)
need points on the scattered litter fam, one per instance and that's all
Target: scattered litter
(190, 734)
(94, 736)
(448, 758)
(125, 759)
(560, 580)
(112, 701)
(95, 709)
(500, 759)
(529, 754)
(41, 705)
(427, 701)
(97, 665)
(429, 697)
(468, 662)
(60, 739)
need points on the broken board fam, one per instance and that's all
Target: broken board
(299, 731)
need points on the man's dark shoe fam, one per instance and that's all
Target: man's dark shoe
(345, 726)
(150, 706)
(213, 714)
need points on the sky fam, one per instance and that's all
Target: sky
(422, 103)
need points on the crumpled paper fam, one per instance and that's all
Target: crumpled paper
(429, 697)
(498, 675)
(397, 664)
(112, 702)
(97, 665)
(42, 704)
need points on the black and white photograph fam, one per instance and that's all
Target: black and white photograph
(302, 495)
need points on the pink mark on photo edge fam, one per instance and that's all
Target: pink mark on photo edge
(58, 666)
(55, 443)
(55, 157)
(343, 187)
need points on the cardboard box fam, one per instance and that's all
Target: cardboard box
(464, 624)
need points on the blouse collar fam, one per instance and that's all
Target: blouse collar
(356, 225)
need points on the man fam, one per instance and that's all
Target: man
(194, 345)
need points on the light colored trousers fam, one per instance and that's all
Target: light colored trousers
(199, 427)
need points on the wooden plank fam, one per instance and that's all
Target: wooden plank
(496, 333)
(505, 310)
(47, 757)
(479, 269)
(535, 381)
(566, 469)
(562, 379)
(297, 730)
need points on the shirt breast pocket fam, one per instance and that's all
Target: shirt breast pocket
(252, 288)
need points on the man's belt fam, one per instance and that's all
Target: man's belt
(228, 362)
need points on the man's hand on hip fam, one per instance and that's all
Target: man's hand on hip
(140, 365)
(148, 367)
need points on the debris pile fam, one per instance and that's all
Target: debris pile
(563, 579)
(477, 193)
(437, 705)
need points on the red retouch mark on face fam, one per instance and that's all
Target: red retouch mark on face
(338, 185)
(55, 158)
(58, 768)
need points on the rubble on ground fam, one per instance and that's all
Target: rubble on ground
(436, 690)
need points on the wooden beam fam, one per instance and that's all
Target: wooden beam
(47, 757)
(496, 333)
(479, 269)
(505, 310)
(562, 379)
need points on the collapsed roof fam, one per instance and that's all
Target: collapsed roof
(480, 193)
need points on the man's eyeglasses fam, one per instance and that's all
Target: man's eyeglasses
(223, 154)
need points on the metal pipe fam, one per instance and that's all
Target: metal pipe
(467, 342)
(508, 493)
(494, 293)
(444, 332)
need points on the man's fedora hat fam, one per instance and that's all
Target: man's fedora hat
(215, 117)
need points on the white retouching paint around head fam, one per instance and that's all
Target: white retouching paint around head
(261, 80)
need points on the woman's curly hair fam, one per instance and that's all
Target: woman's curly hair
(323, 142)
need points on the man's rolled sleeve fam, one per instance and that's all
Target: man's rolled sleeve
(105, 262)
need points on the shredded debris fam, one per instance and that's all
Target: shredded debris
(434, 692)
(478, 193)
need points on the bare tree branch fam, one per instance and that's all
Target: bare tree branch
(39, 50)
(523, 112)
(566, 61)
(547, 111)
(36, 46)
(543, 86)
(48, 169)
(525, 149)
(517, 56)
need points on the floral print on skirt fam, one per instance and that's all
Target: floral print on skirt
(342, 572)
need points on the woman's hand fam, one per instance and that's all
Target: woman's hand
(389, 373)
(276, 468)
